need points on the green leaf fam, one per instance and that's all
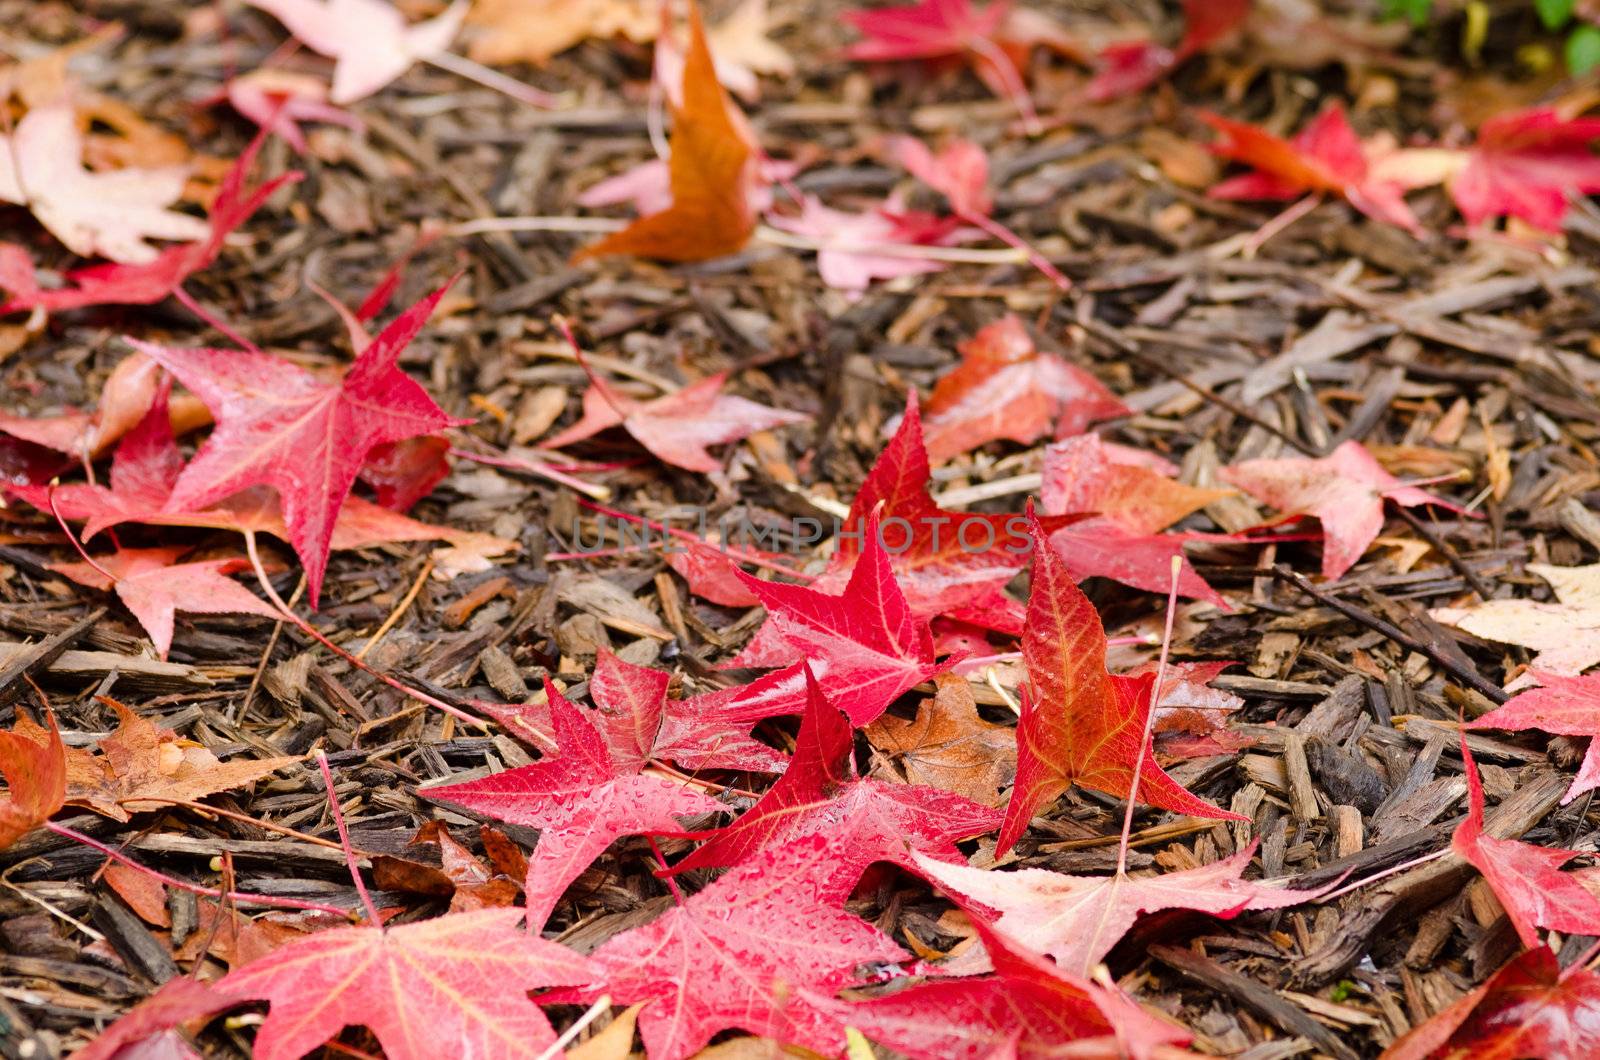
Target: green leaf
(1554, 13)
(1416, 11)
(1583, 50)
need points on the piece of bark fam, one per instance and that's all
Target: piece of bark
(1411, 892)
(28, 659)
(1262, 1000)
(1302, 794)
(1347, 830)
(1346, 777)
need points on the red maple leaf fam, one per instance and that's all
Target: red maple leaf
(1080, 725)
(1101, 548)
(640, 724)
(1005, 387)
(281, 426)
(928, 29)
(154, 587)
(1084, 475)
(1326, 156)
(145, 468)
(870, 820)
(866, 645)
(1526, 878)
(402, 473)
(461, 978)
(958, 29)
(1028, 1008)
(1345, 490)
(753, 951)
(1078, 919)
(149, 1029)
(1565, 706)
(582, 800)
(1530, 1007)
(1528, 164)
(675, 427)
(114, 284)
(1133, 66)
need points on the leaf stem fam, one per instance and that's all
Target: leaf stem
(315, 634)
(344, 840)
(238, 897)
(1149, 719)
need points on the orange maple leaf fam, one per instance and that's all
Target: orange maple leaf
(36, 776)
(710, 215)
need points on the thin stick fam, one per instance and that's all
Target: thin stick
(184, 885)
(315, 634)
(1150, 718)
(508, 86)
(930, 251)
(344, 840)
(1011, 239)
(555, 1047)
(399, 609)
(1461, 673)
(266, 656)
(244, 818)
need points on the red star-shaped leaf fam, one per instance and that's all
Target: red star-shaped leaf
(1080, 725)
(1528, 164)
(1324, 157)
(865, 645)
(946, 563)
(1006, 387)
(749, 951)
(1528, 1008)
(1526, 878)
(1132, 66)
(461, 978)
(583, 799)
(279, 425)
(153, 586)
(1566, 706)
(1345, 490)
(1028, 1008)
(640, 724)
(819, 793)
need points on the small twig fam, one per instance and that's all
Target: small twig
(399, 609)
(593, 1013)
(1095, 327)
(1445, 549)
(493, 79)
(1464, 674)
